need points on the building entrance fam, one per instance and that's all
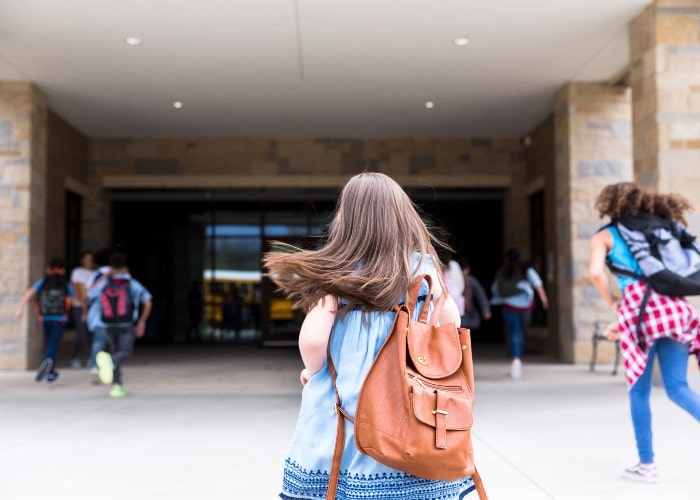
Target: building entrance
(199, 253)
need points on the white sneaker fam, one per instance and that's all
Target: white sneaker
(643, 473)
(94, 376)
(516, 369)
(75, 363)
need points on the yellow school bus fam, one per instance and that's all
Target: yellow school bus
(219, 283)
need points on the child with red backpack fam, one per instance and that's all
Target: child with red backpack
(54, 296)
(119, 308)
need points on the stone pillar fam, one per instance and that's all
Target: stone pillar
(593, 148)
(23, 134)
(665, 78)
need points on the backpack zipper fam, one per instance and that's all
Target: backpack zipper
(425, 384)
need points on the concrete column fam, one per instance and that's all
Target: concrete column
(665, 78)
(593, 148)
(23, 134)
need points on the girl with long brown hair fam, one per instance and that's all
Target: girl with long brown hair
(376, 246)
(669, 329)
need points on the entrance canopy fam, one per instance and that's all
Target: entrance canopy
(310, 68)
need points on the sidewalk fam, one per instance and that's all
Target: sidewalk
(208, 422)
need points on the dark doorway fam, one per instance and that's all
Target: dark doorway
(74, 213)
(173, 239)
(472, 223)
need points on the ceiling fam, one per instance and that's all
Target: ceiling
(310, 68)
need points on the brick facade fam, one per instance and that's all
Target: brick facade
(593, 143)
(23, 216)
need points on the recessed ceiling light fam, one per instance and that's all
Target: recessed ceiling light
(177, 104)
(133, 40)
(429, 104)
(461, 41)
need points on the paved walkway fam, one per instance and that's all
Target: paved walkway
(214, 423)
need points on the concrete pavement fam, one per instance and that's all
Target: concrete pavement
(214, 422)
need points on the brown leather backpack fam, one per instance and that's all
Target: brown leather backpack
(414, 411)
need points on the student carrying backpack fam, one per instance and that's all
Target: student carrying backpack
(353, 290)
(514, 289)
(119, 308)
(655, 259)
(52, 297)
(414, 410)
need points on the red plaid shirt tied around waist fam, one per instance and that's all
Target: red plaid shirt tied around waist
(664, 317)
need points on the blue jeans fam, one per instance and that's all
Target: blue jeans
(99, 342)
(673, 360)
(53, 333)
(516, 323)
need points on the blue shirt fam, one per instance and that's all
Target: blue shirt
(620, 254)
(139, 294)
(523, 300)
(51, 317)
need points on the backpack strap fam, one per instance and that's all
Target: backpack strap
(340, 433)
(342, 414)
(640, 319)
(413, 293)
(479, 485)
(616, 269)
(437, 308)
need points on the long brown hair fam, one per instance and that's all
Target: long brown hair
(366, 259)
(626, 198)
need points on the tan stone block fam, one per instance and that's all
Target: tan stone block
(684, 65)
(265, 168)
(676, 30)
(672, 99)
(686, 172)
(694, 102)
(13, 361)
(684, 131)
(677, 144)
(677, 3)
(7, 237)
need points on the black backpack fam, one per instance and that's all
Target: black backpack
(116, 302)
(666, 253)
(508, 287)
(52, 299)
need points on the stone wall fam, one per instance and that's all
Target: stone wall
(67, 169)
(540, 164)
(665, 55)
(23, 116)
(290, 163)
(593, 140)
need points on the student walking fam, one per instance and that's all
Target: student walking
(669, 329)
(476, 303)
(453, 277)
(53, 302)
(514, 290)
(377, 245)
(119, 308)
(98, 339)
(78, 278)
